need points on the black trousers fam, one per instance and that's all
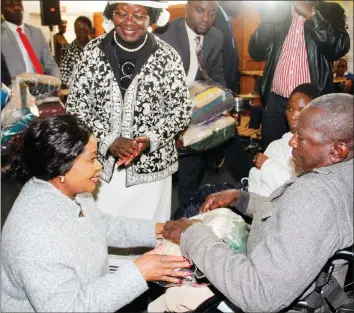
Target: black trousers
(191, 167)
(274, 123)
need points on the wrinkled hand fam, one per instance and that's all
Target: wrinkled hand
(303, 8)
(220, 199)
(158, 230)
(156, 267)
(172, 229)
(124, 148)
(259, 159)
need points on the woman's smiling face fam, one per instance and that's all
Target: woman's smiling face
(83, 176)
(131, 21)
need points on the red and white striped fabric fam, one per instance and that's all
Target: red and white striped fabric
(292, 69)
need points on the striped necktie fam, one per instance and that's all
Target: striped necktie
(201, 65)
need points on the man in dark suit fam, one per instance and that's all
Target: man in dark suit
(180, 34)
(230, 56)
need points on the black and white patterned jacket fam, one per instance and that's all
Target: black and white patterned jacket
(70, 57)
(156, 105)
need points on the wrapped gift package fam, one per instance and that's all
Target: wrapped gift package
(209, 135)
(226, 225)
(208, 102)
(40, 86)
(32, 96)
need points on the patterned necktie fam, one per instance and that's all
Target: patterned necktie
(200, 57)
(31, 53)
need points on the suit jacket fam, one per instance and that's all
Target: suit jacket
(230, 56)
(175, 34)
(13, 55)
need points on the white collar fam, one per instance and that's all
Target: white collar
(191, 34)
(13, 27)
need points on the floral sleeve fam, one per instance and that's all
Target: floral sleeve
(177, 103)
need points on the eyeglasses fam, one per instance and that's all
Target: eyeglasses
(135, 17)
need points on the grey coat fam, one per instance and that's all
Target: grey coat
(55, 261)
(294, 232)
(13, 55)
(175, 34)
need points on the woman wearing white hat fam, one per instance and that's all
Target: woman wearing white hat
(130, 89)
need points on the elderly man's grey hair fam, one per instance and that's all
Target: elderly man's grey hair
(336, 117)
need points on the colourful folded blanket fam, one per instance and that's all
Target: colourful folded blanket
(213, 109)
(209, 135)
(208, 102)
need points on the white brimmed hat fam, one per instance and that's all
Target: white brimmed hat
(163, 17)
(149, 4)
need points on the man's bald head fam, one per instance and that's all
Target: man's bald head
(335, 120)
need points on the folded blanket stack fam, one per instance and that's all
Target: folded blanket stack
(209, 127)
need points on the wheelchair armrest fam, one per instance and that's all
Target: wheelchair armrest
(209, 305)
(345, 254)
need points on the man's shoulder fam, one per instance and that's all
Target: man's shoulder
(169, 28)
(216, 34)
(32, 28)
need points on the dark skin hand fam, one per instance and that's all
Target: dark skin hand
(303, 8)
(172, 229)
(259, 159)
(179, 141)
(220, 199)
(127, 150)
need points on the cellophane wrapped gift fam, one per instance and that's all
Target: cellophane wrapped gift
(32, 96)
(5, 95)
(209, 126)
(208, 102)
(209, 135)
(226, 225)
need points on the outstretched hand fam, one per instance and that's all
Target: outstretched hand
(172, 229)
(156, 267)
(220, 199)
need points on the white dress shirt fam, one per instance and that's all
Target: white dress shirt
(193, 63)
(26, 58)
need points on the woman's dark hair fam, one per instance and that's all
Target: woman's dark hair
(307, 89)
(153, 13)
(52, 144)
(334, 14)
(84, 20)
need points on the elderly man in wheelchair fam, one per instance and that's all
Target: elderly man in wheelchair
(294, 232)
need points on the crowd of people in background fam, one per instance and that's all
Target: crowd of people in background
(100, 175)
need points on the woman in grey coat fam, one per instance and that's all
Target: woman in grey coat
(54, 245)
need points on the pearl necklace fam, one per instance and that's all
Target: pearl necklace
(127, 49)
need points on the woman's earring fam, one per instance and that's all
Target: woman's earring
(62, 179)
(149, 29)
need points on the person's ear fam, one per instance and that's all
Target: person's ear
(339, 152)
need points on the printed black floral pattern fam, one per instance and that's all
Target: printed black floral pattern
(70, 57)
(156, 105)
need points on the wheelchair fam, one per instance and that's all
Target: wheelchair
(339, 300)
